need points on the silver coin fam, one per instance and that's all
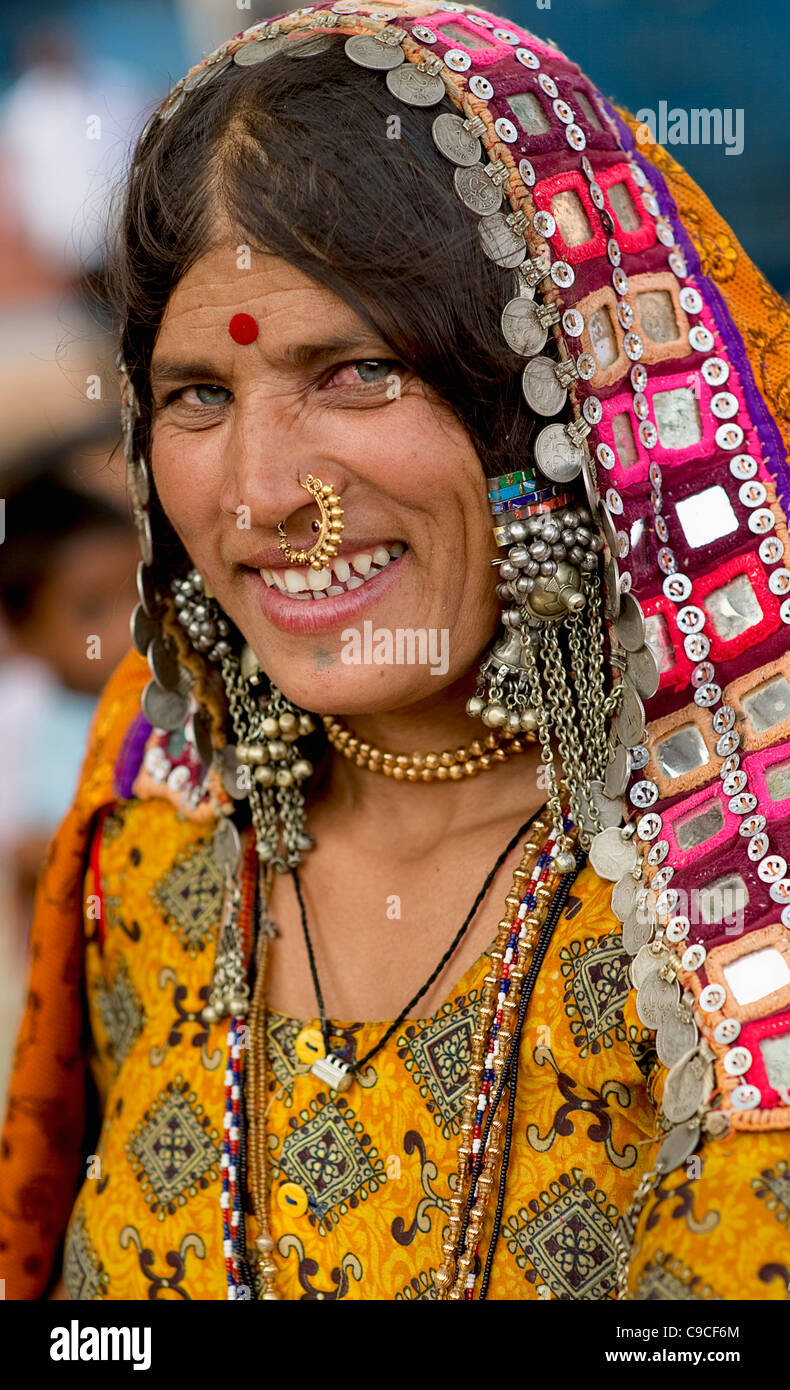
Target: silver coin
(611, 809)
(612, 856)
(147, 590)
(163, 662)
(630, 625)
(502, 245)
(258, 50)
(143, 523)
(678, 1145)
(370, 52)
(201, 726)
(143, 629)
(228, 764)
(643, 672)
(137, 482)
(451, 137)
(616, 778)
(413, 87)
(542, 391)
(645, 960)
(630, 718)
(477, 190)
(686, 1088)
(607, 527)
(611, 587)
(556, 456)
(592, 495)
(677, 1035)
(164, 709)
(655, 997)
(637, 931)
(624, 896)
(227, 846)
(521, 327)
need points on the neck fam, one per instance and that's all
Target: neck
(423, 813)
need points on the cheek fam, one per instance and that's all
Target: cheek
(188, 480)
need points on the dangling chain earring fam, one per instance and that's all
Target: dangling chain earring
(550, 583)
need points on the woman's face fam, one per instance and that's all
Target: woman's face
(236, 427)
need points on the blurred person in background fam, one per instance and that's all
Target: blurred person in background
(66, 592)
(55, 189)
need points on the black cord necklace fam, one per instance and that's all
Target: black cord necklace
(331, 1068)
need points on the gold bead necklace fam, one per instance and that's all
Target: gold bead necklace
(451, 765)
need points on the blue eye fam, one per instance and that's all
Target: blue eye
(210, 392)
(381, 367)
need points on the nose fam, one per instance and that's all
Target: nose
(268, 453)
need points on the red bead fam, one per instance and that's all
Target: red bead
(243, 329)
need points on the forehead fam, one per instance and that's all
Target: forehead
(231, 278)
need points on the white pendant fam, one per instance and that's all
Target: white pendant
(333, 1071)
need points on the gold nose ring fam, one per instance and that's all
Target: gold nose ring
(330, 527)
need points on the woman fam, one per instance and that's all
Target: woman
(380, 271)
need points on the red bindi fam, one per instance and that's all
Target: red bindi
(243, 328)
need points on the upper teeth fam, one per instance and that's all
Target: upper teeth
(303, 581)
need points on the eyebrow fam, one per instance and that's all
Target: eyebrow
(297, 356)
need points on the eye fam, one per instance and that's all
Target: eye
(366, 372)
(206, 394)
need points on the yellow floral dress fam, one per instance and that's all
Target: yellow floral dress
(360, 1182)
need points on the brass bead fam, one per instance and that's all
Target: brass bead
(513, 900)
(412, 775)
(441, 774)
(398, 774)
(432, 760)
(471, 769)
(456, 773)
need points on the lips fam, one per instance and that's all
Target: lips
(295, 610)
(344, 574)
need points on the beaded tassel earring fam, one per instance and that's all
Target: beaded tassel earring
(549, 581)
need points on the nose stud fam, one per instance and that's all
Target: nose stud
(330, 527)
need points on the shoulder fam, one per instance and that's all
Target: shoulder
(117, 713)
(129, 759)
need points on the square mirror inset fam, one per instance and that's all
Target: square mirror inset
(462, 36)
(700, 825)
(683, 751)
(569, 213)
(602, 336)
(529, 113)
(619, 196)
(624, 440)
(705, 517)
(776, 1060)
(733, 608)
(677, 417)
(657, 318)
(587, 109)
(657, 638)
(723, 900)
(777, 780)
(768, 704)
(753, 976)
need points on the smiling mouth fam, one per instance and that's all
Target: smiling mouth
(343, 574)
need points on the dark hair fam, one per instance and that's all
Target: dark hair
(43, 514)
(296, 153)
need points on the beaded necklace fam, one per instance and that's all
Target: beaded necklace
(532, 909)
